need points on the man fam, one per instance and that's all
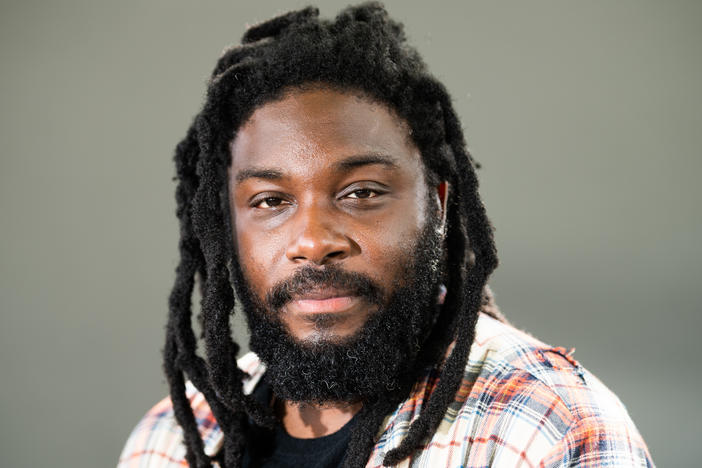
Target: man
(325, 190)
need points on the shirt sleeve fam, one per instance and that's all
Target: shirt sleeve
(156, 441)
(595, 442)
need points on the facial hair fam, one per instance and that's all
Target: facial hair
(381, 358)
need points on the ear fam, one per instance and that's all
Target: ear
(442, 192)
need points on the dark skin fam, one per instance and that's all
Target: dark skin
(323, 177)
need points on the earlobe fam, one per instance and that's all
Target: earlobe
(442, 192)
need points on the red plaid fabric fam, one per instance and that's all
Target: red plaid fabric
(521, 404)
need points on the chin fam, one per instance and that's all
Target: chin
(326, 329)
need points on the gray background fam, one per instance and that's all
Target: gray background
(586, 117)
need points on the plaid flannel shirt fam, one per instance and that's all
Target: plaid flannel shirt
(521, 404)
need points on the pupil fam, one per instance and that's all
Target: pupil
(273, 201)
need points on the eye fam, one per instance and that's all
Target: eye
(363, 193)
(269, 203)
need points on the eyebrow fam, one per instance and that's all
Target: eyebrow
(345, 165)
(352, 162)
(258, 173)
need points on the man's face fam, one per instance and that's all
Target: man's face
(322, 180)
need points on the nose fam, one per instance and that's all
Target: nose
(317, 238)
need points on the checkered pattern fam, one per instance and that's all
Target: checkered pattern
(521, 404)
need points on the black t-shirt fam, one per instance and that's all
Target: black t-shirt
(277, 449)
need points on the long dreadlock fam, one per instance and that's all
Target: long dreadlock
(364, 51)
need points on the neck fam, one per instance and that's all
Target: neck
(308, 421)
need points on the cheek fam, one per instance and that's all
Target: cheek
(256, 252)
(387, 247)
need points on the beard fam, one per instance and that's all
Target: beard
(382, 358)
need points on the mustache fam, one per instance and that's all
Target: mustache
(309, 278)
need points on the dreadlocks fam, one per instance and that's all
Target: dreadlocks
(364, 51)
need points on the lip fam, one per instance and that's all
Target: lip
(324, 301)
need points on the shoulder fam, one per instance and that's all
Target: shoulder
(522, 401)
(157, 440)
(539, 400)
(510, 365)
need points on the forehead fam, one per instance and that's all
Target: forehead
(318, 126)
